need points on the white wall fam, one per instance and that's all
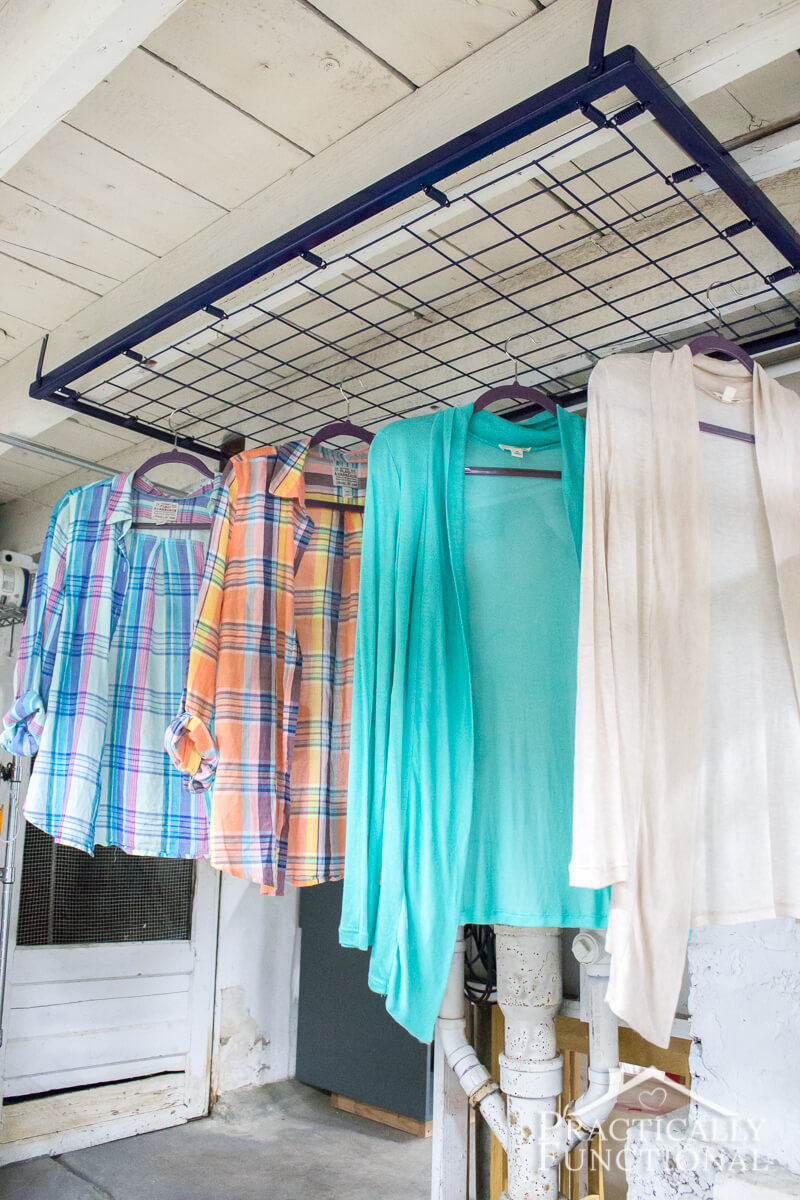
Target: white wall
(745, 1003)
(742, 1128)
(257, 976)
(23, 525)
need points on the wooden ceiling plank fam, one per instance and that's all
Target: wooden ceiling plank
(55, 52)
(41, 235)
(17, 335)
(79, 175)
(280, 61)
(37, 296)
(421, 39)
(164, 120)
(757, 99)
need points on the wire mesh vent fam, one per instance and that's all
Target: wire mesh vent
(599, 240)
(68, 897)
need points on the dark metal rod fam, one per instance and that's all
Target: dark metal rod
(529, 472)
(334, 504)
(40, 360)
(112, 418)
(678, 120)
(597, 48)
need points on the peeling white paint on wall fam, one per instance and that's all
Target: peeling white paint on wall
(745, 1000)
(257, 975)
(664, 1161)
(745, 1060)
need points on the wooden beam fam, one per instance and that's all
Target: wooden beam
(383, 1116)
(450, 1132)
(573, 1035)
(55, 52)
(498, 1162)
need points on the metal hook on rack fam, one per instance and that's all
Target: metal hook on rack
(346, 397)
(509, 355)
(172, 428)
(513, 357)
(709, 303)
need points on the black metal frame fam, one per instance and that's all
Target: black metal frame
(624, 68)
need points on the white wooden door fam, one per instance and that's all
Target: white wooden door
(133, 1018)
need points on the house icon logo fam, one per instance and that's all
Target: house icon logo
(682, 1123)
(655, 1093)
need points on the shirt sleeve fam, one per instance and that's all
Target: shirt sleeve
(23, 724)
(189, 740)
(372, 688)
(599, 839)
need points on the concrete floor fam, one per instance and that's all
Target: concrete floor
(279, 1142)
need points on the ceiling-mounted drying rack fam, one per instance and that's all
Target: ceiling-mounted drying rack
(619, 222)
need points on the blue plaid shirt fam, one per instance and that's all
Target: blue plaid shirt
(101, 668)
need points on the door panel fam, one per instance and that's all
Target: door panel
(112, 965)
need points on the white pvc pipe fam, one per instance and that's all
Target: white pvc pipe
(451, 1029)
(594, 1106)
(529, 993)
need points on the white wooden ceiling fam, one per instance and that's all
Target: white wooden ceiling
(224, 100)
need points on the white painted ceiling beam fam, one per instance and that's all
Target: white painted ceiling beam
(698, 48)
(54, 52)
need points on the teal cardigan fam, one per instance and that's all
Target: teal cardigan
(410, 793)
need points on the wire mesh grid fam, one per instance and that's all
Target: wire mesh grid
(601, 240)
(69, 897)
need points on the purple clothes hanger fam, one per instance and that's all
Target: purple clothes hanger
(341, 428)
(714, 343)
(514, 391)
(179, 458)
(334, 429)
(174, 457)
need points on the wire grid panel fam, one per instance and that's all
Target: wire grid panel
(597, 242)
(68, 897)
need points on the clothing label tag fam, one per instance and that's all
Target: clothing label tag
(728, 396)
(164, 512)
(516, 451)
(345, 475)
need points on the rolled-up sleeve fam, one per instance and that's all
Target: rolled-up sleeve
(189, 740)
(23, 724)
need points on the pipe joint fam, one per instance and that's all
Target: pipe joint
(531, 1080)
(488, 1088)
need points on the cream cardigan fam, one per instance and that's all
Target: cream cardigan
(676, 788)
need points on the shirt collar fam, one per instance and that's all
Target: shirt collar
(287, 482)
(120, 502)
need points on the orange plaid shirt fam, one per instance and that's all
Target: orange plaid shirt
(266, 712)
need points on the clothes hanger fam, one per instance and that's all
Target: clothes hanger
(345, 428)
(715, 343)
(514, 391)
(174, 457)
